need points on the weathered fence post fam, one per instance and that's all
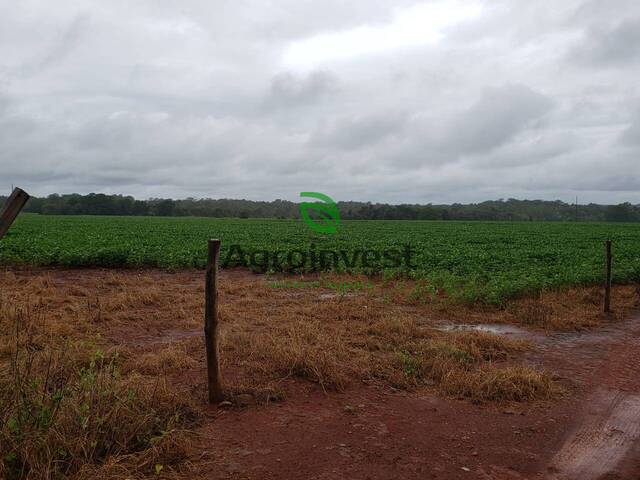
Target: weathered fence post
(607, 284)
(14, 204)
(214, 379)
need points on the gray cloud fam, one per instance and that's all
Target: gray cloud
(631, 135)
(610, 45)
(60, 47)
(527, 99)
(500, 114)
(354, 132)
(289, 89)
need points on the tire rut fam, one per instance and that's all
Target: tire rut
(608, 426)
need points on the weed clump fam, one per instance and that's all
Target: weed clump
(66, 409)
(472, 365)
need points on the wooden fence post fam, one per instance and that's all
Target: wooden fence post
(607, 284)
(12, 208)
(214, 379)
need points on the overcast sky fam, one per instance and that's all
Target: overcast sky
(389, 101)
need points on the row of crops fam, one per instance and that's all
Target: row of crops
(486, 261)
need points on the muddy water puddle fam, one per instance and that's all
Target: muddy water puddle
(495, 328)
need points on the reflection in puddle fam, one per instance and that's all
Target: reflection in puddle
(327, 296)
(498, 329)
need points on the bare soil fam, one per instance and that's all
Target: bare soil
(369, 429)
(593, 433)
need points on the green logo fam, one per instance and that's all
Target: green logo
(327, 214)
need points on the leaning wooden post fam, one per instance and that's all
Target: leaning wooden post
(214, 379)
(607, 284)
(12, 208)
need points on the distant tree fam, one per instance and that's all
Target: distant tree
(511, 209)
(624, 212)
(165, 208)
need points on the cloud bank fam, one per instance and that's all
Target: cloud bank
(404, 101)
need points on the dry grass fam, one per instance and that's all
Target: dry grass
(473, 365)
(107, 365)
(172, 358)
(377, 335)
(100, 371)
(270, 334)
(579, 308)
(66, 411)
(568, 309)
(391, 351)
(514, 383)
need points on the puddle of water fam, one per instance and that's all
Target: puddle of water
(159, 338)
(327, 296)
(498, 329)
(495, 328)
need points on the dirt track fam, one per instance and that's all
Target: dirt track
(604, 438)
(372, 434)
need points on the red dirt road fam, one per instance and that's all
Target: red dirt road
(604, 441)
(386, 437)
(373, 434)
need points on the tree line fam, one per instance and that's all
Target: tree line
(511, 209)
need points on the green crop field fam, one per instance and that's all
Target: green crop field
(486, 261)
